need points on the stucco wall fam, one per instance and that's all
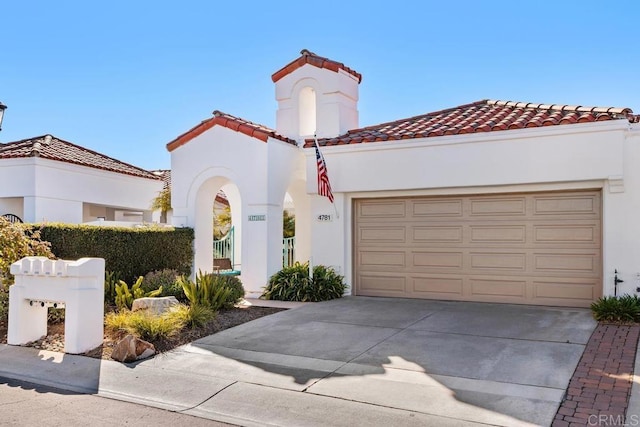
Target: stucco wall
(56, 191)
(12, 205)
(259, 173)
(17, 177)
(621, 213)
(598, 155)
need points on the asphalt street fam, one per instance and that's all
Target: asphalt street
(27, 404)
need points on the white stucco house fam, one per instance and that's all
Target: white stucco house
(48, 179)
(489, 201)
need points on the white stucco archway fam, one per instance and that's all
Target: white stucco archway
(255, 175)
(203, 221)
(297, 192)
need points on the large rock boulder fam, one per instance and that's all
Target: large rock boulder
(130, 349)
(157, 306)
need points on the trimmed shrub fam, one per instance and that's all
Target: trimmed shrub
(294, 284)
(625, 308)
(131, 252)
(16, 242)
(166, 279)
(4, 303)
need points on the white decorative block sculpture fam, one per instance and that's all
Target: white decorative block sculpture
(76, 286)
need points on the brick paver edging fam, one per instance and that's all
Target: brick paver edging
(598, 393)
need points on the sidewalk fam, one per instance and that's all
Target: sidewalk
(25, 404)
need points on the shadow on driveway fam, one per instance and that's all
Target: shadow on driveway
(482, 363)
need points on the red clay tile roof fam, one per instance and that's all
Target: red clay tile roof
(234, 123)
(52, 148)
(481, 116)
(311, 58)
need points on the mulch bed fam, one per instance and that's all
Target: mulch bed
(54, 341)
(601, 384)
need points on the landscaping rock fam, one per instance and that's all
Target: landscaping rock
(130, 349)
(157, 306)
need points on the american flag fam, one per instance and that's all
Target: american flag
(324, 187)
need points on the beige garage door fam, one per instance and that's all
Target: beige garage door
(534, 248)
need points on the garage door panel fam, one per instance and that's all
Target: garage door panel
(388, 209)
(484, 234)
(436, 208)
(382, 234)
(436, 286)
(567, 289)
(496, 207)
(498, 287)
(535, 248)
(568, 263)
(578, 234)
(382, 285)
(573, 205)
(506, 261)
(382, 259)
(437, 234)
(438, 260)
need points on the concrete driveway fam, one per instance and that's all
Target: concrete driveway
(354, 361)
(401, 361)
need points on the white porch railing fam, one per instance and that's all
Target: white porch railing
(288, 251)
(224, 247)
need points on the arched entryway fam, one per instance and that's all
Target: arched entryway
(204, 222)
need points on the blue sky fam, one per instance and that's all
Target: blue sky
(126, 77)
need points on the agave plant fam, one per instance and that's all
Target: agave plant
(125, 296)
(206, 290)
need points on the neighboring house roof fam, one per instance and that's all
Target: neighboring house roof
(237, 124)
(165, 175)
(52, 148)
(481, 116)
(311, 58)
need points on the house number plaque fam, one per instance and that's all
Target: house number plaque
(257, 217)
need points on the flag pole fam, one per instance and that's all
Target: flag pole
(336, 210)
(315, 140)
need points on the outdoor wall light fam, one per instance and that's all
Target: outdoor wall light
(2, 108)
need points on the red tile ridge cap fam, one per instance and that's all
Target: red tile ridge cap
(308, 57)
(626, 112)
(229, 121)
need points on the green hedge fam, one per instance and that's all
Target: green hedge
(132, 252)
